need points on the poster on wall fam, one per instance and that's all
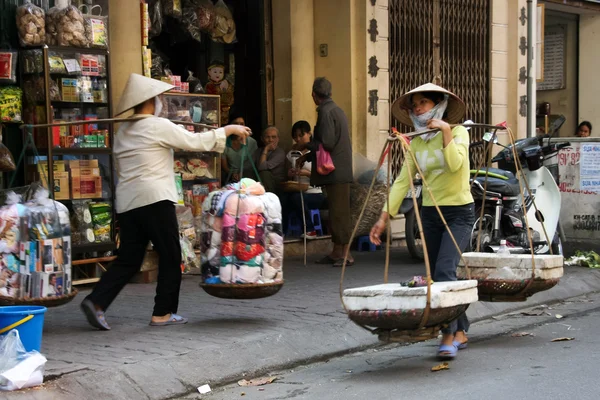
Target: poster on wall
(554, 59)
(589, 167)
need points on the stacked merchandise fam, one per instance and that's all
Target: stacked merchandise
(187, 238)
(74, 179)
(91, 222)
(35, 246)
(241, 236)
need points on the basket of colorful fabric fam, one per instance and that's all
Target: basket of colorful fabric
(241, 242)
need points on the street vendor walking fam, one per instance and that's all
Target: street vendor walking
(443, 156)
(145, 199)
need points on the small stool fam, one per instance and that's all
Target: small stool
(294, 225)
(315, 217)
(364, 240)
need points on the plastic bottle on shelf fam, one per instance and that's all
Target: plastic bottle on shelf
(503, 250)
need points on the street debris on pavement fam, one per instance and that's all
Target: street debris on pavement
(588, 259)
(258, 381)
(522, 334)
(204, 389)
(563, 339)
(440, 367)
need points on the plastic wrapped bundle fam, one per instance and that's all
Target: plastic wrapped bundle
(241, 234)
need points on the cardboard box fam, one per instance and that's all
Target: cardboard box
(57, 166)
(86, 187)
(61, 186)
(83, 164)
(69, 89)
(86, 183)
(78, 172)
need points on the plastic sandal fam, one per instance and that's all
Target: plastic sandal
(460, 345)
(174, 320)
(326, 260)
(94, 317)
(447, 352)
(339, 263)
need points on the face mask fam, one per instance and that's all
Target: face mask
(420, 121)
(158, 106)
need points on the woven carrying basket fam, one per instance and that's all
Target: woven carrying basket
(494, 290)
(358, 196)
(41, 301)
(246, 291)
(406, 319)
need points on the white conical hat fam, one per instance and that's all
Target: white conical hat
(455, 110)
(139, 89)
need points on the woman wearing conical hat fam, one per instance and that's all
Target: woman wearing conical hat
(443, 156)
(145, 199)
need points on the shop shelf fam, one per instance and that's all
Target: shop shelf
(93, 247)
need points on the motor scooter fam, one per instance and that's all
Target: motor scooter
(504, 200)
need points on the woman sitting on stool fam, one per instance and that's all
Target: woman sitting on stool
(313, 197)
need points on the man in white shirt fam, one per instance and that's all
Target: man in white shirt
(145, 199)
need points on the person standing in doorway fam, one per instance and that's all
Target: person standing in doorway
(332, 132)
(145, 199)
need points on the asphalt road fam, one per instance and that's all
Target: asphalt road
(500, 364)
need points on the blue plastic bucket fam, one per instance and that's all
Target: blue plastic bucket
(28, 320)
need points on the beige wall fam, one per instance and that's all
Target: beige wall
(303, 61)
(299, 28)
(125, 44)
(589, 60)
(282, 68)
(564, 101)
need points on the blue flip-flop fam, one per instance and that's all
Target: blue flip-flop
(460, 345)
(447, 352)
(174, 320)
(94, 317)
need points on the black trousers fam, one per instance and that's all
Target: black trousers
(442, 253)
(157, 223)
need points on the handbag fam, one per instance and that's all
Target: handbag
(324, 162)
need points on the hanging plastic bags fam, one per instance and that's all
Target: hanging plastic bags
(324, 162)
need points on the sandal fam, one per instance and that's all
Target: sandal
(94, 317)
(340, 263)
(461, 345)
(326, 260)
(447, 352)
(174, 320)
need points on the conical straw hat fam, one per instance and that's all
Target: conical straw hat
(139, 89)
(455, 110)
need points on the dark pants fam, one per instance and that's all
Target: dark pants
(291, 203)
(443, 255)
(157, 223)
(338, 198)
(269, 182)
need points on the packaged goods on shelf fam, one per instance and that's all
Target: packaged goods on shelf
(10, 104)
(36, 248)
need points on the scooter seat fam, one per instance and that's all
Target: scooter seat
(508, 187)
(493, 171)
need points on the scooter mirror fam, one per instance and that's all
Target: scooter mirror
(488, 137)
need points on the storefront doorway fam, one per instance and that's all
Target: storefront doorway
(248, 61)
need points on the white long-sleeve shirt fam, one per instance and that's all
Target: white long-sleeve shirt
(143, 154)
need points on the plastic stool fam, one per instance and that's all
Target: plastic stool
(294, 225)
(315, 217)
(364, 240)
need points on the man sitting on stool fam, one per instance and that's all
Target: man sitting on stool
(270, 160)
